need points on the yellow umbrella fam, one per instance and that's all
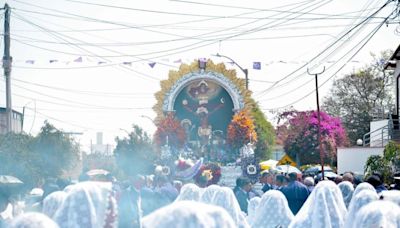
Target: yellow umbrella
(269, 164)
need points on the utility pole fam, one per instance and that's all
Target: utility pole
(321, 152)
(7, 59)
(245, 71)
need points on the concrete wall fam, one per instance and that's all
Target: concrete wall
(354, 159)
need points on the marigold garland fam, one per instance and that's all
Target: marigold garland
(171, 127)
(241, 130)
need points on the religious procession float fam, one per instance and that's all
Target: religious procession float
(206, 118)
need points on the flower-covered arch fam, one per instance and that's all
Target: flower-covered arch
(178, 80)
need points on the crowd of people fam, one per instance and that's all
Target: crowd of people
(156, 201)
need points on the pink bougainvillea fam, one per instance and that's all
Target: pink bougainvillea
(299, 135)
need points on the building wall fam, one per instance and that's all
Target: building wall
(380, 137)
(354, 159)
(16, 122)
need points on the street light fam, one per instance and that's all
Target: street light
(149, 118)
(245, 71)
(127, 132)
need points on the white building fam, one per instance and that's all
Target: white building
(16, 122)
(99, 147)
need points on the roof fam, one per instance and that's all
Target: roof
(4, 110)
(391, 62)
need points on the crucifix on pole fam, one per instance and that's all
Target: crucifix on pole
(321, 152)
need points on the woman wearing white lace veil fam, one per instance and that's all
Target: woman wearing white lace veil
(225, 198)
(347, 190)
(88, 204)
(323, 208)
(52, 202)
(273, 211)
(188, 214)
(379, 213)
(189, 192)
(363, 186)
(209, 193)
(363, 198)
(33, 220)
(252, 208)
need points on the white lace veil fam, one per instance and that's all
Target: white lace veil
(378, 214)
(273, 211)
(33, 220)
(188, 214)
(363, 198)
(347, 190)
(252, 208)
(225, 198)
(88, 204)
(363, 186)
(52, 202)
(323, 208)
(392, 195)
(209, 193)
(189, 192)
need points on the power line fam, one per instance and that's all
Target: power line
(85, 92)
(324, 50)
(362, 46)
(190, 47)
(308, 81)
(58, 36)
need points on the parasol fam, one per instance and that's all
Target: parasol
(10, 185)
(269, 164)
(287, 169)
(6, 180)
(97, 172)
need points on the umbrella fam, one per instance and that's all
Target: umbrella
(97, 172)
(269, 164)
(6, 180)
(287, 169)
(328, 174)
(10, 185)
(317, 169)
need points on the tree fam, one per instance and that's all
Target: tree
(135, 154)
(241, 130)
(387, 164)
(355, 97)
(301, 130)
(265, 134)
(17, 159)
(55, 153)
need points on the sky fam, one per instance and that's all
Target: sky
(91, 66)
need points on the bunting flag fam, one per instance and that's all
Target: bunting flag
(257, 65)
(152, 64)
(78, 60)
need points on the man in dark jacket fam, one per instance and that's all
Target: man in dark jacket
(296, 193)
(242, 192)
(267, 180)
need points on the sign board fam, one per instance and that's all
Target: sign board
(286, 160)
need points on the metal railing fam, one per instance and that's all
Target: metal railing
(380, 136)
